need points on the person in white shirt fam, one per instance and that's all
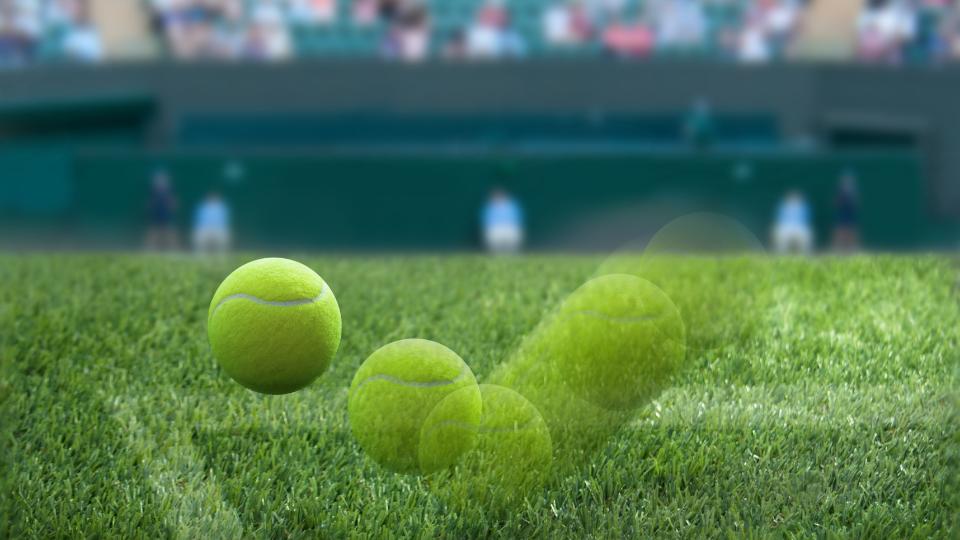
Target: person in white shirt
(211, 226)
(502, 221)
(82, 43)
(792, 231)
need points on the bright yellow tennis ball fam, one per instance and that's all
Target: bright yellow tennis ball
(617, 340)
(274, 325)
(396, 388)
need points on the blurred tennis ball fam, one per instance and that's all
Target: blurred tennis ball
(711, 267)
(395, 390)
(617, 341)
(449, 431)
(274, 325)
(511, 456)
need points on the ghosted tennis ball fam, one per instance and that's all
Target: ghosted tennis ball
(617, 341)
(450, 430)
(711, 267)
(511, 456)
(274, 325)
(395, 390)
(704, 233)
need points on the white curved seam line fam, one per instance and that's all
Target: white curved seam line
(604, 316)
(396, 380)
(262, 302)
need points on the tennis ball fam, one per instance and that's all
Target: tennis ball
(707, 264)
(395, 390)
(512, 449)
(274, 325)
(449, 431)
(617, 341)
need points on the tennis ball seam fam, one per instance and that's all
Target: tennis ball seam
(464, 372)
(284, 303)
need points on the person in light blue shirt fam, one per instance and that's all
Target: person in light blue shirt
(502, 221)
(211, 225)
(793, 229)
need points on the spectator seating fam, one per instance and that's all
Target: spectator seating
(449, 16)
(935, 35)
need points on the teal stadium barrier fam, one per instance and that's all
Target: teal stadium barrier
(426, 201)
(75, 174)
(382, 127)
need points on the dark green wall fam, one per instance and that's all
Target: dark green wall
(810, 102)
(432, 202)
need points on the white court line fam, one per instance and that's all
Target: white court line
(176, 474)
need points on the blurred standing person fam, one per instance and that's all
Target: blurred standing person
(502, 221)
(681, 25)
(628, 40)
(484, 35)
(491, 35)
(567, 23)
(884, 29)
(268, 36)
(161, 213)
(792, 232)
(754, 45)
(698, 126)
(846, 232)
(365, 12)
(782, 20)
(408, 35)
(556, 25)
(211, 225)
(81, 40)
(19, 35)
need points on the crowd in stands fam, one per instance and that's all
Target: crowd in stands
(234, 29)
(748, 31)
(38, 30)
(909, 31)
(413, 30)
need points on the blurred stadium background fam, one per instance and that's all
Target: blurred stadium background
(386, 124)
